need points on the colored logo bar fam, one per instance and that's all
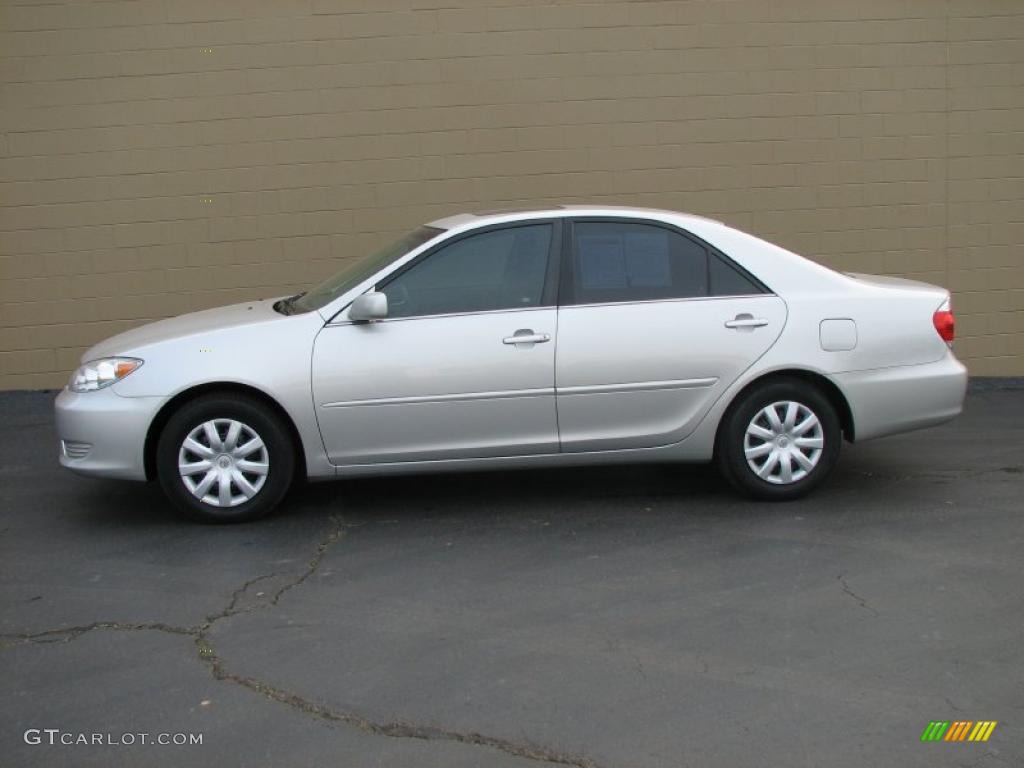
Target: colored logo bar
(958, 730)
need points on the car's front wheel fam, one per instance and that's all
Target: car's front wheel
(225, 458)
(779, 441)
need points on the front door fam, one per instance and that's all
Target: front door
(462, 367)
(653, 327)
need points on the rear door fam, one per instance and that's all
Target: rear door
(653, 325)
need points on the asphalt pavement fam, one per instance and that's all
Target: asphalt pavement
(636, 616)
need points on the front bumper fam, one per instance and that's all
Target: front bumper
(104, 434)
(887, 401)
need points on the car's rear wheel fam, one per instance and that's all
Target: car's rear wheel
(225, 458)
(780, 440)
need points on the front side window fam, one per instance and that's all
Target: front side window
(499, 269)
(621, 261)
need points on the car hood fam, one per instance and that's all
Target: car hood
(220, 318)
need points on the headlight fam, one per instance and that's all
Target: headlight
(97, 374)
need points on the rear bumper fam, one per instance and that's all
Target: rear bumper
(887, 401)
(103, 434)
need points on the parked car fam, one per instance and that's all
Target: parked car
(570, 335)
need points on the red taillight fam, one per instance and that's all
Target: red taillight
(945, 325)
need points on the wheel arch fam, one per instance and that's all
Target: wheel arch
(167, 410)
(822, 383)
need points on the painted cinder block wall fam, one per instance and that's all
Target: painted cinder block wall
(161, 156)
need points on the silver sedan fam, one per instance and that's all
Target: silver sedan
(570, 335)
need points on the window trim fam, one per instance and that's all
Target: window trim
(566, 286)
(549, 292)
(668, 301)
(475, 313)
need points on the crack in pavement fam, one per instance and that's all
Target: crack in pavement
(952, 705)
(67, 634)
(314, 563)
(860, 600)
(231, 609)
(392, 729)
(639, 667)
(218, 671)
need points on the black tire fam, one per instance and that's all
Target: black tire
(732, 442)
(256, 416)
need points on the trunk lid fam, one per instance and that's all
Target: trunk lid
(900, 283)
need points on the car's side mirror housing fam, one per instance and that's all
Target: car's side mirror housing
(370, 306)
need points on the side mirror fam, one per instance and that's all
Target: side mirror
(370, 306)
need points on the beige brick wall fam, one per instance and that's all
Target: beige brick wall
(160, 156)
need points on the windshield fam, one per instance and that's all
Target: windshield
(358, 271)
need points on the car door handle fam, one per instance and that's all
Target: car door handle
(526, 336)
(746, 321)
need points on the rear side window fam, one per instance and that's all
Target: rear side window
(727, 280)
(625, 261)
(620, 261)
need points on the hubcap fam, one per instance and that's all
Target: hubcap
(223, 462)
(783, 442)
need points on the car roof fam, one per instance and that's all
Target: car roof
(783, 270)
(486, 218)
